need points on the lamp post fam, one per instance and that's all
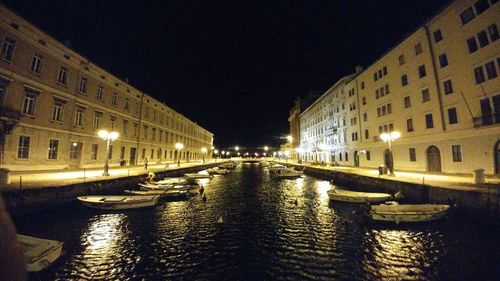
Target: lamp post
(203, 151)
(108, 137)
(390, 138)
(216, 152)
(179, 146)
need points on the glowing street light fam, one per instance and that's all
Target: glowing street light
(107, 136)
(390, 138)
(179, 146)
(237, 148)
(266, 148)
(216, 153)
(289, 138)
(203, 151)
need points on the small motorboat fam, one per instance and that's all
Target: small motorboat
(286, 173)
(217, 171)
(276, 168)
(39, 253)
(118, 202)
(176, 180)
(407, 212)
(168, 194)
(152, 186)
(198, 175)
(336, 194)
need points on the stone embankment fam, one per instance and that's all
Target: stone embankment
(486, 198)
(19, 202)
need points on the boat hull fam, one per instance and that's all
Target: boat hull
(39, 253)
(118, 202)
(408, 213)
(358, 197)
(166, 194)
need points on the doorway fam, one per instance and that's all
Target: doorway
(433, 159)
(356, 158)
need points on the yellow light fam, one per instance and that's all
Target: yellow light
(103, 134)
(236, 148)
(204, 149)
(289, 138)
(266, 148)
(179, 146)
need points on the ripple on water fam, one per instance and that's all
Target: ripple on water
(272, 230)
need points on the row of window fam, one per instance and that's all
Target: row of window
(380, 73)
(478, 8)
(23, 151)
(36, 65)
(491, 71)
(456, 153)
(482, 38)
(28, 108)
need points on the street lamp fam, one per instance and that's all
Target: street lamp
(179, 146)
(236, 148)
(203, 151)
(107, 136)
(289, 138)
(216, 152)
(390, 138)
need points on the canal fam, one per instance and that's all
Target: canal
(271, 230)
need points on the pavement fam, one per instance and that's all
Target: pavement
(51, 178)
(449, 181)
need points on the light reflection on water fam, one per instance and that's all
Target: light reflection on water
(272, 230)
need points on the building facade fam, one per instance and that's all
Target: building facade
(439, 88)
(53, 102)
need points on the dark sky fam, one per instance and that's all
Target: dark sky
(234, 67)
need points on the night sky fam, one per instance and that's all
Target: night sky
(235, 67)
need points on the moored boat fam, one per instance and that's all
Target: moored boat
(39, 253)
(176, 180)
(343, 195)
(198, 175)
(171, 193)
(217, 171)
(276, 168)
(408, 212)
(152, 186)
(118, 202)
(286, 173)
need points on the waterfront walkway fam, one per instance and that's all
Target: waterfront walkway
(39, 179)
(450, 181)
(50, 178)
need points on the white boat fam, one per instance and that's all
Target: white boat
(343, 195)
(171, 193)
(118, 202)
(176, 180)
(408, 213)
(286, 173)
(276, 168)
(39, 253)
(198, 175)
(154, 186)
(217, 171)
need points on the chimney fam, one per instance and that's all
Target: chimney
(359, 68)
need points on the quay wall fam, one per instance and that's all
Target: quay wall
(20, 202)
(483, 201)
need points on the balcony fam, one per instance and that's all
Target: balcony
(487, 120)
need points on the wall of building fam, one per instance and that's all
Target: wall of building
(32, 93)
(431, 74)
